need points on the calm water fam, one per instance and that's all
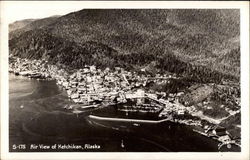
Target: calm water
(37, 117)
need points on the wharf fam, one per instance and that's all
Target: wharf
(128, 120)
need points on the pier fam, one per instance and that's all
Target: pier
(128, 120)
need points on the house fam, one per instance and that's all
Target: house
(92, 68)
(117, 68)
(143, 70)
(181, 112)
(225, 138)
(140, 93)
(65, 84)
(86, 70)
(75, 96)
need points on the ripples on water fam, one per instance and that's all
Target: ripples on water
(37, 117)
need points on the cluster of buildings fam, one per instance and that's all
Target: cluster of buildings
(25, 67)
(89, 85)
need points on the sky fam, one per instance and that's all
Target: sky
(15, 10)
(12, 11)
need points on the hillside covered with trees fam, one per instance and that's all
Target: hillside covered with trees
(202, 45)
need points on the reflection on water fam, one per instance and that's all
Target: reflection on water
(37, 117)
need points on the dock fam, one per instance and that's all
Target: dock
(128, 120)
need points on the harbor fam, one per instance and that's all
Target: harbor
(64, 127)
(93, 90)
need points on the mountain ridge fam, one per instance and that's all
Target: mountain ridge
(188, 36)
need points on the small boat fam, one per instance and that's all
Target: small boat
(136, 124)
(122, 144)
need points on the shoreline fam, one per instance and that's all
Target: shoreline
(71, 82)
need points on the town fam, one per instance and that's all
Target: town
(90, 87)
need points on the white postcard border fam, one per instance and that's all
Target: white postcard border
(244, 154)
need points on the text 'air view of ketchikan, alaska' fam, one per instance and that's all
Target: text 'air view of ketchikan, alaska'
(126, 80)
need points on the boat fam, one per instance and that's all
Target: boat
(140, 108)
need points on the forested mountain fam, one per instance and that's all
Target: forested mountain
(201, 44)
(19, 27)
(19, 24)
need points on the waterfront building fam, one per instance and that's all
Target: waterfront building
(225, 138)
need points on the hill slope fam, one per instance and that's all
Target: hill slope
(19, 27)
(202, 44)
(20, 24)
